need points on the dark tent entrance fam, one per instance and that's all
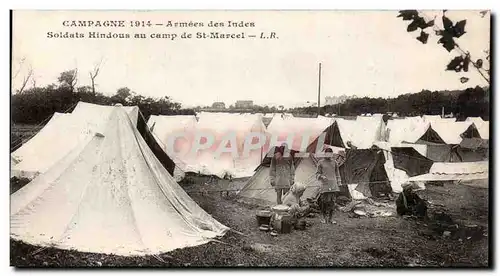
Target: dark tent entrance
(146, 134)
(411, 161)
(430, 136)
(330, 136)
(470, 150)
(365, 167)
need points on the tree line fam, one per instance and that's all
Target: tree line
(35, 105)
(471, 102)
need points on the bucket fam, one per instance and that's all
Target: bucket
(282, 220)
(283, 224)
(263, 217)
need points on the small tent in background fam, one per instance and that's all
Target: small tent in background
(482, 126)
(178, 128)
(412, 130)
(374, 128)
(165, 127)
(364, 168)
(363, 172)
(469, 173)
(298, 133)
(110, 194)
(258, 189)
(453, 133)
(360, 133)
(49, 145)
(223, 127)
(437, 118)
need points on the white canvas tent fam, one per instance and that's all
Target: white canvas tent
(165, 128)
(408, 130)
(371, 128)
(259, 191)
(60, 136)
(110, 195)
(297, 132)
(456, 171)
(223, 126)
(396, 176)
(482, 126)
(437, 118)
(362, 132)
(452, 132)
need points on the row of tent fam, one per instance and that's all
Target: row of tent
(441, 140)
(381, 154)
(104, 181)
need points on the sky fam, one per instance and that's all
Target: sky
(363, 53)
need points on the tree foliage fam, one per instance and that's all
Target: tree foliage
(68, 79)
(37, 104)
(447, 38)
(471, 102)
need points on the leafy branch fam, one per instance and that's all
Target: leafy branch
(448, 36)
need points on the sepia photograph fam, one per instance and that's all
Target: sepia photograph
(250, 139)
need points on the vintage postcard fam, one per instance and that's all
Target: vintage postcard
(250, 138)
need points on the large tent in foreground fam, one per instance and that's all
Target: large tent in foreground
(110, 194)
(65, 131)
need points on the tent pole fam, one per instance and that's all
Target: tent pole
(319, 89)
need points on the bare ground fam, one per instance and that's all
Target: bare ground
(352, 242)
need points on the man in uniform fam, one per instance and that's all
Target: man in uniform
(328, 175)
(282, 171)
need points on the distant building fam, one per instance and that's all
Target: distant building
(219, 105)
(243, 104)
(336, 100)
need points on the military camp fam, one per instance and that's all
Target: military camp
(305, 139)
